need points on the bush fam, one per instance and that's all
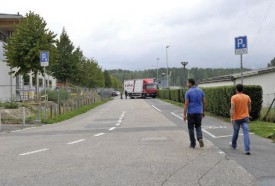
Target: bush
(11, 105)
(218, 99)
(53, 95)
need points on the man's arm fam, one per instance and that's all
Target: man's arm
(186, 102)
(232, 110)
(203, 106)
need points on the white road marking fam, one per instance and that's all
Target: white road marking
(32, 152)
(120, 118)
(230, 135)
(23, 129)
(99, 134)
(73, 142)
(213, 136)
(112, 128)
(119, 121)
(214, 127)
(16, 130)
(156, 108)
(176, 115)
(117, 124)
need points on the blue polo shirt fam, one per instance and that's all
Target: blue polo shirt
(195, 96)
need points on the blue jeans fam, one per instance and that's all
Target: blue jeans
(194, 120)
(245, 126)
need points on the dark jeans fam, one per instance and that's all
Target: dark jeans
(194, 121)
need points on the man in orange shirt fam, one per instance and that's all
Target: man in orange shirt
(239, 112)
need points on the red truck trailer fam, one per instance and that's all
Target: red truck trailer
(140, 88)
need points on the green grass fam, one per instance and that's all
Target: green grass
(72, 114)
(260, 128)
(264, 129)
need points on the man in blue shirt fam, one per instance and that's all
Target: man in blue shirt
(193, 112)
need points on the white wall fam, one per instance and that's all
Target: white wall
(265, 80)
(217, 84)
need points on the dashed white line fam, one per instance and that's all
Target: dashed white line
(73, 142)
(119, 121)
(213, 136)
(112, 128)
(32, 152)
(99, 134)
(156, 108)
(117, 124)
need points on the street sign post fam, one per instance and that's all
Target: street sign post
(240, 49)
(44, 61)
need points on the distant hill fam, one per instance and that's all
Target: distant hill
(177, 74)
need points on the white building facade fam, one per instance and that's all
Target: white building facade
(264, 77)
(16, 88)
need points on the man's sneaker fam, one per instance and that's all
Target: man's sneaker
(192, 146)
(201, 143)
(247, 153)
(230, 145)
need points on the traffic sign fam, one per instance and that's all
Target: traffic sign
(44, 59)
(241, 45)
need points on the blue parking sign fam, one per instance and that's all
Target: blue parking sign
(44, 59)
(241, 45)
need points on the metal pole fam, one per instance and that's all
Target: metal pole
(157, 68)
(241, 69)
(0, 120)
(38, 97)
(24, 116)
(11, 83)
(58, 99)
(45, 101)
(167, 75)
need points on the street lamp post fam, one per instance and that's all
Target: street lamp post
(157, 69)
(184, 65)
(167, 74)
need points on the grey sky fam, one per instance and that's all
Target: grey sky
(131, 34)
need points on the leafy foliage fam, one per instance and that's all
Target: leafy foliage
(178, 75)
(218, 99)
(272, 63)
(24, 46)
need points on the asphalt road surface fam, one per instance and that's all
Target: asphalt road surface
(131, 142)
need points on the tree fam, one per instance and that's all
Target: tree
(24, 46)
(93, 75)
(108, 80)
(66, 64)
(272, 63)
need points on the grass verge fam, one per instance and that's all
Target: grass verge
(260, 128)
(72, 114)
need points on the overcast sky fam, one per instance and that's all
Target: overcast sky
(131, 34)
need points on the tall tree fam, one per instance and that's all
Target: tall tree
(66, 63)
(108, 80)
(24, 46)
(272, 63)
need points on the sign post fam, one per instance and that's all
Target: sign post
(240, 49)
(44, 61)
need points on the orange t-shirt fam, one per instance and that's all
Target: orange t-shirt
(241, 102)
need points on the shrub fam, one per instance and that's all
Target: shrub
(53, 95)
(218, 100)
(11, 105)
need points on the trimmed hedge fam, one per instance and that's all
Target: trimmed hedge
(218, 98)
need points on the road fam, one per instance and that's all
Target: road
(130, 142)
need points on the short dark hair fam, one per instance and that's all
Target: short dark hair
(192, 81)
(239, 87)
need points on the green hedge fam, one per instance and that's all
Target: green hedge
(218, 98)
